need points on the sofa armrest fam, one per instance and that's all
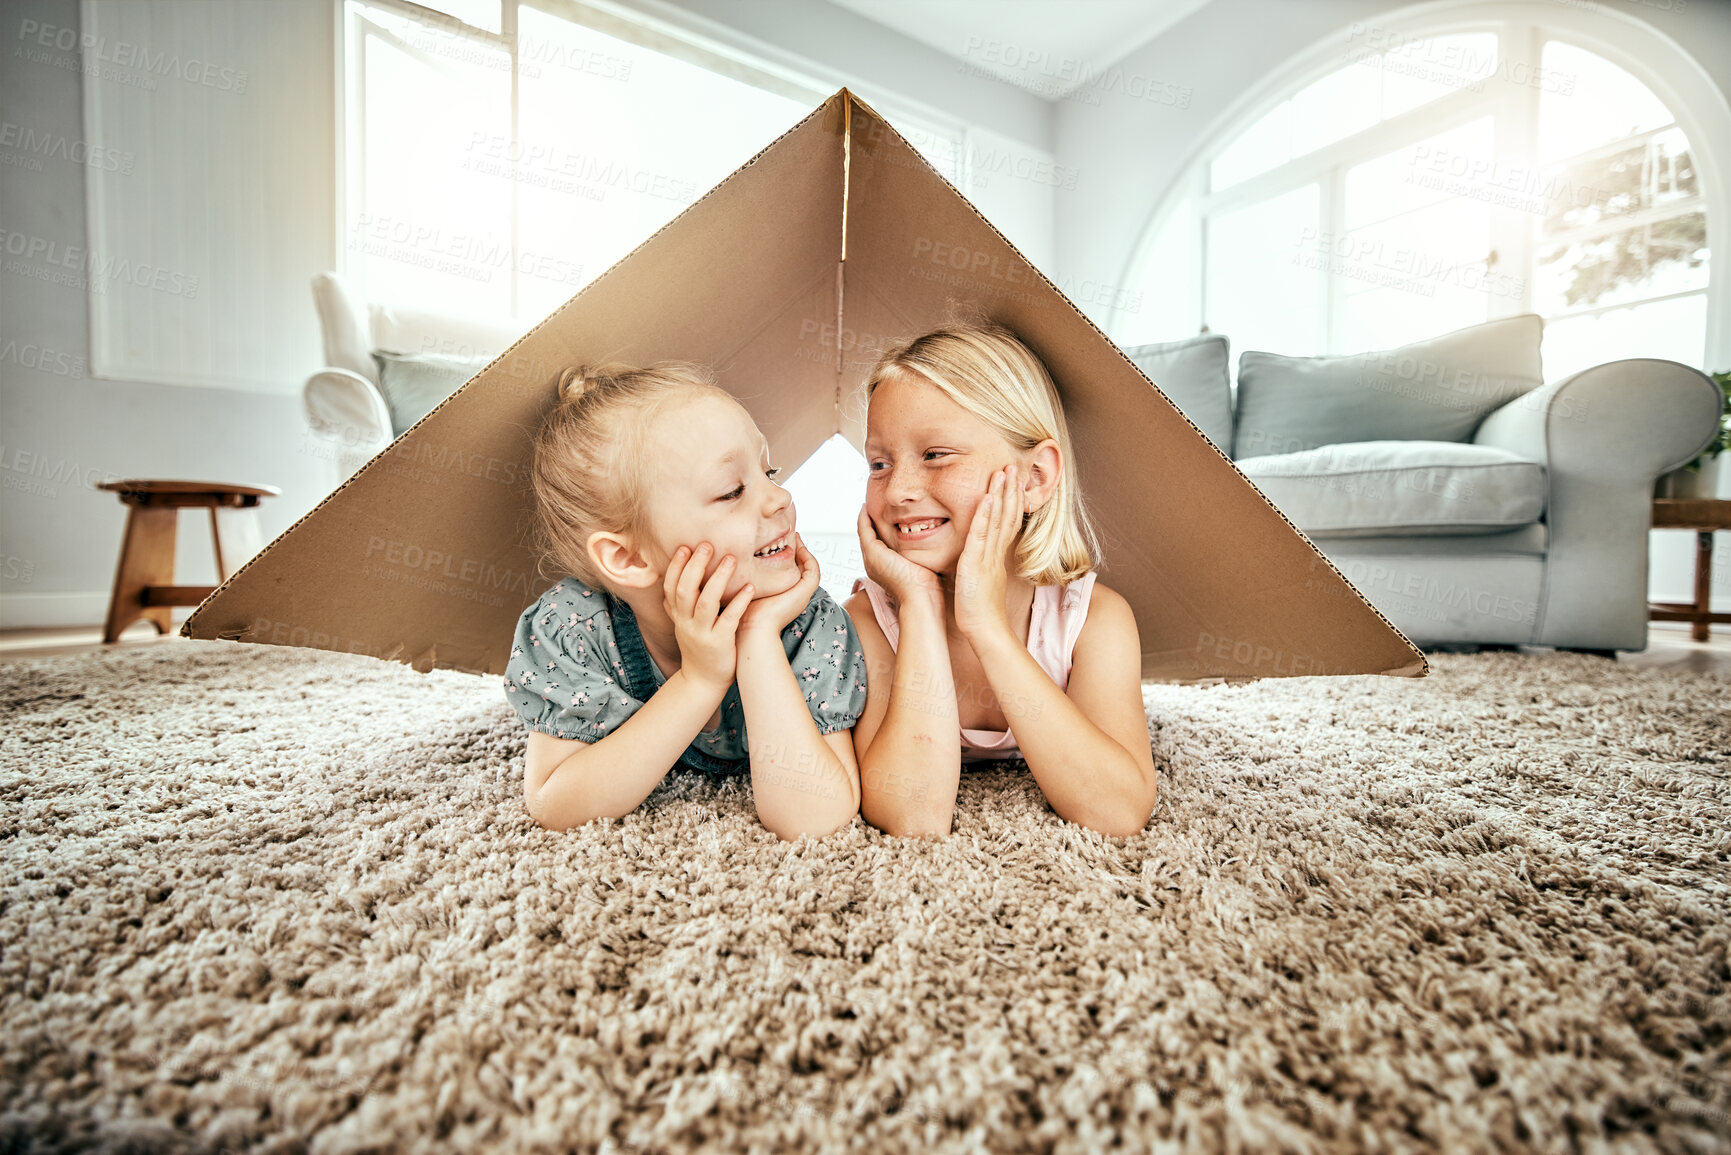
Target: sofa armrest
(1633, 419)
(1604, 435)
(345, 407)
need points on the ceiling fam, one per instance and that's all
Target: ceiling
(1048, 47)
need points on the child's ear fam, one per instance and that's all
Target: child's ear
(621, 561)
(1040, 474)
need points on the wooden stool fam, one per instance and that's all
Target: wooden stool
(1704, 515)
(144, 581)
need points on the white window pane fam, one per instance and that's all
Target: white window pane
(1632, 264)
(1163, 306)
(1265, 145)
(430, 231)
(1425, 70)
(1338, 105)
(1420, 274)
(1586, 101)
(1675, 330)
(1426, 172)
(611, 148)
(1265, 269)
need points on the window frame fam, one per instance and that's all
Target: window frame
(1522, 27)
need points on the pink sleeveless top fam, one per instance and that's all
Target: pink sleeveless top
(1054, 624)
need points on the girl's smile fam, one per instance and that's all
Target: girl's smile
(920, 529)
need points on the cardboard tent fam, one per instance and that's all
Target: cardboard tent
(788, 278)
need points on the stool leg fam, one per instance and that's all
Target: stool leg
(237, 536)
(1701, 629)
(146, 559)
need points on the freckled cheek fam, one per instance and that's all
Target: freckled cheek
(958, 496)
(876, 497)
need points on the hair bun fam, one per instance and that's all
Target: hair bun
(575, 382)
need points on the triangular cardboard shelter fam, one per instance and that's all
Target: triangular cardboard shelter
(789, 278)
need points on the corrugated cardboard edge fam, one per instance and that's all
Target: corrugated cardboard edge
(396, 655)
(1417, 669)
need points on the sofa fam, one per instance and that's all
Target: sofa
(385, 368)
(1471, 501)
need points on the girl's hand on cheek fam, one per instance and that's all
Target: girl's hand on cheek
(772, 614)
(705, 632)
(982, 573)
(905, 580)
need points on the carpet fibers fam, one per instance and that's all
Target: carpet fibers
(261, 899)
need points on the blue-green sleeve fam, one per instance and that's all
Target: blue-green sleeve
(563, 677)
(828, 662)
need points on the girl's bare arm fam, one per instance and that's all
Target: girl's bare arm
(567, 783)
(909, 738)
(1088, 746)
(804, 782)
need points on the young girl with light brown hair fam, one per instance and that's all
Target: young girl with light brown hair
(692, 629)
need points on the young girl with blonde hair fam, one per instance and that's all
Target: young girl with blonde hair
(985, 631)
(692, 617)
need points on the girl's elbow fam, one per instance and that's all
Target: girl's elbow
(1121, 816)
(793, 831)
(1125, 826)
(1130, 819)
(538, 811)
(561, 818)
(904, 822)
(536, 805)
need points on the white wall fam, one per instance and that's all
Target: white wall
(1128, 152)
(61, 430)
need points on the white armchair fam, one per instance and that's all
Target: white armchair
(343, 402)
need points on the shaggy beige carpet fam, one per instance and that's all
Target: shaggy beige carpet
(276, 900)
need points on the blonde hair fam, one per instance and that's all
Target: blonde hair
(589, 463)
(986, 370)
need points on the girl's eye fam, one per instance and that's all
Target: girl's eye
(733, 493)
(772, 472)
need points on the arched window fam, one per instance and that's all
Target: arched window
(1443, 175)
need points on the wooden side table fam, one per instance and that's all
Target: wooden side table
(144, 580)
(1703, 515)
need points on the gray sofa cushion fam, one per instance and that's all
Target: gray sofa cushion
(1378, 488)
(414, 385)
(1435, 390)
(1196, 374)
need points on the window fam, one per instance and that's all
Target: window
(425, 227)
(1622, 256)
(503, 153)
(1432, 182)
